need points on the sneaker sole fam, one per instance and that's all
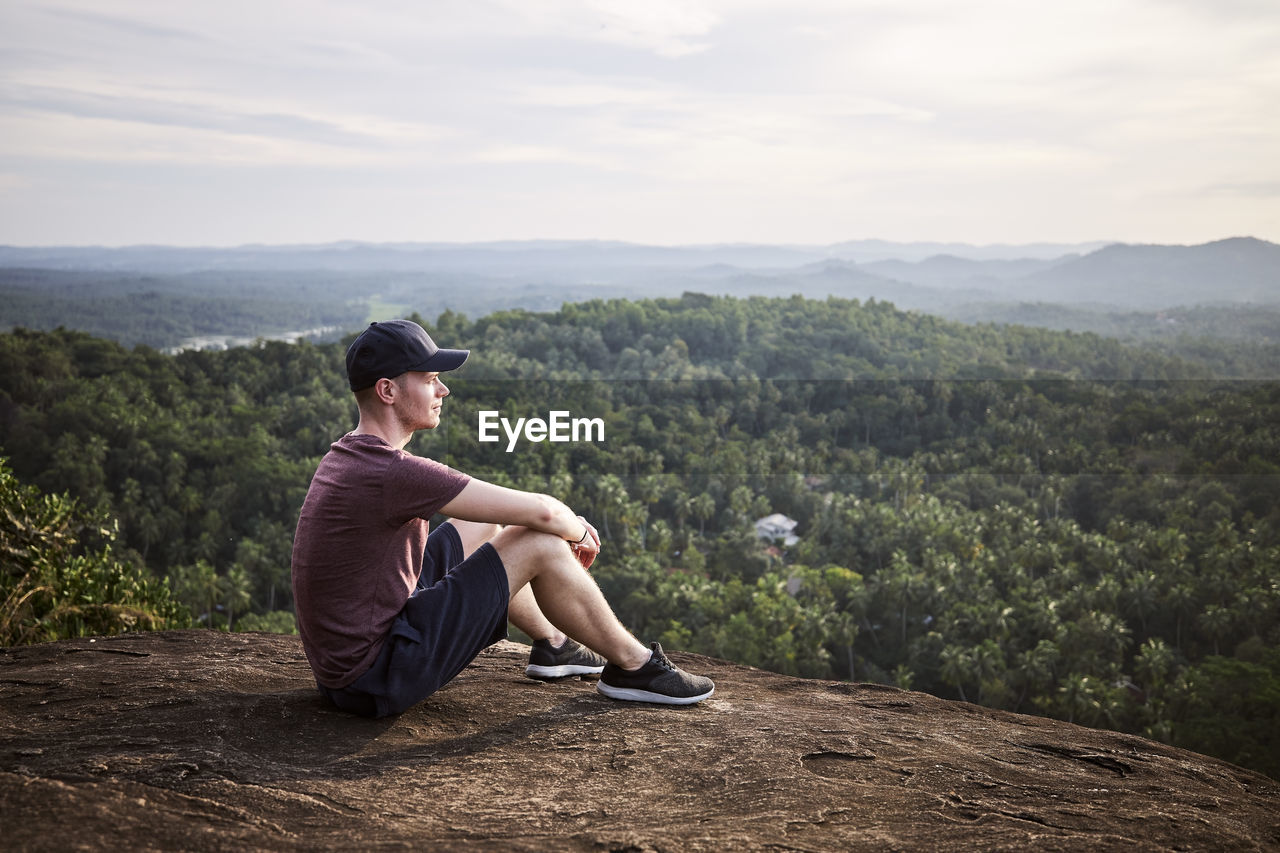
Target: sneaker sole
(562, 671)
(632, 694)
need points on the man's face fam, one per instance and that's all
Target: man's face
(423, 396)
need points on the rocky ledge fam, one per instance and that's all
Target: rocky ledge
(198, 740)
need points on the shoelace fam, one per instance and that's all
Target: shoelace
(661, 660)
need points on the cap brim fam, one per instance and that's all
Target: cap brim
(444, 359)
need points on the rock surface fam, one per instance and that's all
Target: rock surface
(198, 740)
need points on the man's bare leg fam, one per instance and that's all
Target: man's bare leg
(565, 594)
(473, 533)
(523, 611)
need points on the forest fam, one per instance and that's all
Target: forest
(165, 310)
(1040, 521)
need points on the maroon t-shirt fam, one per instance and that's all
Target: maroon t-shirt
(358, 549)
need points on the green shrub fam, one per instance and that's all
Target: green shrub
(60, 577)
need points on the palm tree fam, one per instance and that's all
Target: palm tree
(1035, 669)
(235, 587)
(660, 537)
(1141, 595)
(1182, 598)
(955, 666)
(682, 508)
(611, 497)
(703, 507)
(988, 664)
(1153, 663)
(200, 587)
(901, 581)
(1078, 697)
(1216, 622)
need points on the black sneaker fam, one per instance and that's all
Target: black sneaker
(547, 661)
(659, 680)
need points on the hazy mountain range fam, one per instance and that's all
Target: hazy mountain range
(1242, 269)
(257, 290)
(501, 257)
(1239, 270)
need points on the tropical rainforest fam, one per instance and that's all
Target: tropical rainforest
(1040, 521)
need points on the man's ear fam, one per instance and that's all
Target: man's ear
(385, 390)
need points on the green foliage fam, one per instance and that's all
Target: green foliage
(275, 622)
(1231, 708)
(60, 576)
(1236, 341)
(165, 310)
(204, 458)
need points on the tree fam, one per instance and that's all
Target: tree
(988, 667)
(1231, 708)
(610, 500)
(703, 507)
(235, 586)
(1034, 670)
(1078, 698)
(901, 583)
(956, 667)
(199, 587)
(1154, 663)
(1216, 621)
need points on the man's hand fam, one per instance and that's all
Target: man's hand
(586, 550)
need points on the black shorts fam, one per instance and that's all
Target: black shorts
(458, 610)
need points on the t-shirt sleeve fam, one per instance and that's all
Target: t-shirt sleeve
(417, 487)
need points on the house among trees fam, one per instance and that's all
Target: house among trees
(777, 526)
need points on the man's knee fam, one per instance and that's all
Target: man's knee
(527, 553)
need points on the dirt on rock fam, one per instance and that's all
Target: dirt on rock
(198, 740)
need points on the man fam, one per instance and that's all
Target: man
(390, 611)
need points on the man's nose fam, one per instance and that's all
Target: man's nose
(444, 389)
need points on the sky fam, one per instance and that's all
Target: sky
(669, 122)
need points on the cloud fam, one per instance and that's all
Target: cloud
(1250, 12)
(590, 92)
(13, 181)
(667, 27)
(133, 27)
(101, 121)
(80, 139)
(825, 118)
(1251, 190)
(512, 154)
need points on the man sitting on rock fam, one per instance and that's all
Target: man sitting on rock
(390, 611)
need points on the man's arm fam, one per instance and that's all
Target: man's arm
(487, 502)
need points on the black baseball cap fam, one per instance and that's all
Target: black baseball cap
(393, 347)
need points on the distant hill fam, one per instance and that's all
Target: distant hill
(950, 272)
(571, 259)
(1239, 270)
(1242, 269)
(171, 296)
(871, 251)
(1117, 277)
